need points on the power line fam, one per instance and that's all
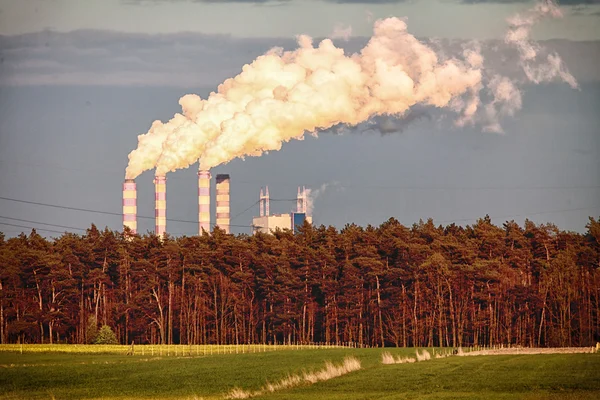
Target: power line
(106, 212)
(30, 227)
(240, 213)
(42, 223)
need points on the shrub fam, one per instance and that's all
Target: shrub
(106, 336)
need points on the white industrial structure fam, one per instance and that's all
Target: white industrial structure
(267, 223)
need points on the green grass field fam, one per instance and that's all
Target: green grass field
(108, 373)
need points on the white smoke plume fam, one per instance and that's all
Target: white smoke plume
(283, 95)
(506, 100)
(150, 144)
(312, 194)
(341, 32)
(536, 70)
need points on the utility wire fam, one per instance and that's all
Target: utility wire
(42, 223)
(240, 213)
(106, 212)
(30, 227)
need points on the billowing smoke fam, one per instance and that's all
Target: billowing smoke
(342, 32)
(535, 67)
(150, 144)
(312, 194)
(388, 125)
(284, 94)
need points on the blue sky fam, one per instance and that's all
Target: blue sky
(79, 83)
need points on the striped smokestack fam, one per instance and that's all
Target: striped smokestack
(130, 205)
(223, 202)
(203, 201)
(160, 201)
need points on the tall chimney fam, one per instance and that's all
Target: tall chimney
(130, 205)
(261, 205)
(267, 210)
(203, 201)
(299, 199)
(223, 202)
(160, 201)
(304, 200)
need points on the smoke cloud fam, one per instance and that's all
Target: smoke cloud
(312, 194)
(283, 95)
(536, 68)
(341, 32)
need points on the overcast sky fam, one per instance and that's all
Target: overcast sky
(79, 80)
(285, 18)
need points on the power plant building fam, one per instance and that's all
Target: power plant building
(266, 223)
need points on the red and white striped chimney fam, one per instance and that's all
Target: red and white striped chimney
(203, 201)
(223, 216)
(130, 205)
(160, 201)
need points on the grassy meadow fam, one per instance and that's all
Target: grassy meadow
(189, 372)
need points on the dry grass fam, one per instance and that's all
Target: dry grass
(529, 350)
(329, 372)
(387, 358)
(424, 356)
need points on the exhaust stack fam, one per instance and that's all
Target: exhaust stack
(299, 201)
(261, 205)
(267, 207)
(130, 205)
(203, 201)
(223, 216)
(304, 200)
(160, 201)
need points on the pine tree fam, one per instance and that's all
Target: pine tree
(106, 336)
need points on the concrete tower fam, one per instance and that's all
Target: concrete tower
(160, 201)
(261, 205)
(223, 211)
(130, 205)
(267, 209)
(299, 201)
(304, 200)
(203, 201)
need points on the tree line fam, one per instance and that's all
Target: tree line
(390, 285)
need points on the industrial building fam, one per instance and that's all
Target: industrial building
(267, 223)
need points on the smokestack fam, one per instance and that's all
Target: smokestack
(267, 213)
(203, 201)
(261, 205)
(160, 201)
(130, 205)
(304, 200)
(223, 202)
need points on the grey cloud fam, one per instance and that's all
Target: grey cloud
(141, 2)
(90, 57)
(262, 1)
(560, 2)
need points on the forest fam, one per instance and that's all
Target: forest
(391, 285)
